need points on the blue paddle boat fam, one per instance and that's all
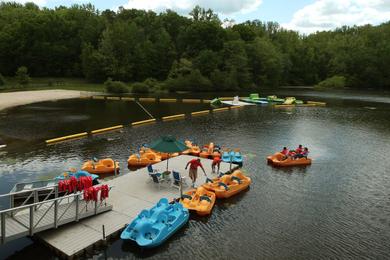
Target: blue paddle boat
(77, 175)
(237, 158)
(154, 226)
(225, 157)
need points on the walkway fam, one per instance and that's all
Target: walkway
(130, 194)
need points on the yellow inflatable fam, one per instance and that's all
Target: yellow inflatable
(200, 200)
(104, 166)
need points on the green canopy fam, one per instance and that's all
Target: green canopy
(168, 144)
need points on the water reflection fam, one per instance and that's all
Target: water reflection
(335, 208)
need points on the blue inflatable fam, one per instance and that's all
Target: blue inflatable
(154, 226)
(77, 175)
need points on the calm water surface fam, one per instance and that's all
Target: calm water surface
(339, 207)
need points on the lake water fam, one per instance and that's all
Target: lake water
(339, 207)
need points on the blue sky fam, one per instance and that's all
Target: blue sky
(305, 16)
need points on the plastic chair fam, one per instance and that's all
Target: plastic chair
(152, 171)
(157, 180)
(177, 179)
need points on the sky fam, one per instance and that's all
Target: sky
(305, 16)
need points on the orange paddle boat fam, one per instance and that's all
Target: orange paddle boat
(228, 185)
(209, 152)
(277, 160)
(104, 166)
(192, 149)
(144, 160)
(162, 156)
(200, 200)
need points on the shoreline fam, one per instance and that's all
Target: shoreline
(18, 98)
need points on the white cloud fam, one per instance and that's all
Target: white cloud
(330, 14)
(185, 6)
(37, 2)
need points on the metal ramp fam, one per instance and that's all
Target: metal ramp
(30, 218)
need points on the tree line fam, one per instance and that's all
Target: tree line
(174, 52)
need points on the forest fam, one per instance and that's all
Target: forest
(191, 53)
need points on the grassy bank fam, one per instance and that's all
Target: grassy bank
(52, 83)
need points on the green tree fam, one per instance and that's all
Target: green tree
(2, 80)
(22, 76)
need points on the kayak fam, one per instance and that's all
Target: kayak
(216, 102)
(104, 166)
(255, 101)
(228, 185)
(154, 226)
(144, 160)
(200, 200)
(289, 101)
(275, 99)
(277, 160)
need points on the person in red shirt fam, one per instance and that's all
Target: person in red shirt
(216, 163)
(193, 172)
(285, 153)
(299, 150)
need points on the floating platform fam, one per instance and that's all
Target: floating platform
(237, 103)
(130, 194)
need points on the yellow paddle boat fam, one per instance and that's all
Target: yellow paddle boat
(228, 185)
(200, 200)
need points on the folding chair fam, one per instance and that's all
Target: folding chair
(177, 178)
(157, 179)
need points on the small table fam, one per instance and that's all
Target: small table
(166, 175)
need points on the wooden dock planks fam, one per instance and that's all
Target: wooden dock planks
(130, 194)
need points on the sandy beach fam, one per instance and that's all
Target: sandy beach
(12, 99)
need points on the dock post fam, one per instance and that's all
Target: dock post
(56, 192)
(55, 213)
(104, 232)
(11, 204)
(77, 206)
(2, 228)
(36, 199)
(96, 206)
(31, 231)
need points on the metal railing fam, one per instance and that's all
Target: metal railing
(32, 194)
(28, 224)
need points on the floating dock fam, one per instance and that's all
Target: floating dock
(130, 193)
(237, 103)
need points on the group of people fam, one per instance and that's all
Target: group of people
(300, 152)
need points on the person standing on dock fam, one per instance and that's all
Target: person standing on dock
(193, 172)
(216, 163)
